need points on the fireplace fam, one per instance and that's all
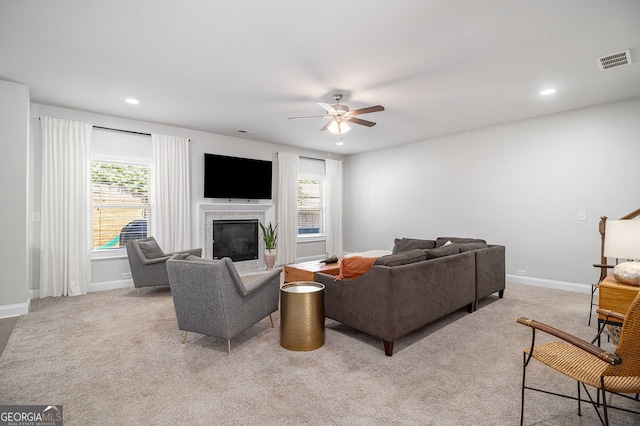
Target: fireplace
(235, 212)
(236, 239)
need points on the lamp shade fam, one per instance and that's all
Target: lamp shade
(622, 239)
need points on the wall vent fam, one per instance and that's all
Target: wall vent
(614, 60)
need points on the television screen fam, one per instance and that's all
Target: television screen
(234, 177)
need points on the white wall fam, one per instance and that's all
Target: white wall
(14, 181)
(520, 185)
(107, 273)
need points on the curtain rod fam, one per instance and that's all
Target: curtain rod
(311, 158)
(123, 131)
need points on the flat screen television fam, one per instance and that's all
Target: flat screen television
(234, 177)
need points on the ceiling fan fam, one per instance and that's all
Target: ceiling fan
(339, 115)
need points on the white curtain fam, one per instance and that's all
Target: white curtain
(65, 253)
(170, 192)
(287, 208)
(333, 207)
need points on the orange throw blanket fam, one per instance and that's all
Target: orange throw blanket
(353, 267)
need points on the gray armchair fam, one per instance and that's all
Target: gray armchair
(211, 298)
(149, 263)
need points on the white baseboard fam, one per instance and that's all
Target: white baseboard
(553, 284)
(15, 310)
(18, 309)
(110, 285)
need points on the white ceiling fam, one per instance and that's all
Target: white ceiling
(437, 66)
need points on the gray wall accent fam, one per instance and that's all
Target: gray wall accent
(14, 184)
(520, 185)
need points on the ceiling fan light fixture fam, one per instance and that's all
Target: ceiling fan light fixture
(338, 127)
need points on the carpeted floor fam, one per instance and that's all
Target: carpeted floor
(115, 358)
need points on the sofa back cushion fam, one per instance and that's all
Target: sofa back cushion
(447, 250)
(403, 258)
(407, 244)
(472, 246)
(440, 241)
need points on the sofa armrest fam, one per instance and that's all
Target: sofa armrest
(490, 271)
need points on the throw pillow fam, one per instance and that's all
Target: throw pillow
(403, 258)
(354, 267)
(440, 241)
(151, 249)
(406, 244)
(443, 251)
(627, 273)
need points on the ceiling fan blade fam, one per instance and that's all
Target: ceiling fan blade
(327, 107)
(308, 116)
(326, 126)
(360, 121)
(367, 110)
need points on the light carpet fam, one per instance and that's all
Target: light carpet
(116, 358)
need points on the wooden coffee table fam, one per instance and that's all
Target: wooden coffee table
(306, 271)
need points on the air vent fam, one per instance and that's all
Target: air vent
(614, 60)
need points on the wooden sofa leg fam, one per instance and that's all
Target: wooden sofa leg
(501, 294)
(388, 347)
(470, 307)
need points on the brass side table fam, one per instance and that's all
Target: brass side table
(302, 316)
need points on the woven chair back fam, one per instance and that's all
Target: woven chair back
(628, 348)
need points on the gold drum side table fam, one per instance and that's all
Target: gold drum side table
(302, 316)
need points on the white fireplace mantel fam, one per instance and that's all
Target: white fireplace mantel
(237, 207)
(230, 211)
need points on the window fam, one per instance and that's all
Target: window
(310, 197)
(310, 218)
(120, 203)
(120, 189)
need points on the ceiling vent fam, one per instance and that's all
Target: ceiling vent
(614, 60)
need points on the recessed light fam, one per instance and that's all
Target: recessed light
(132, 101)
(340, 143)
(548, 92)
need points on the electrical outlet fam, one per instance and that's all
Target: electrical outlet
(521, 272)
(582, 215)
(126, 275)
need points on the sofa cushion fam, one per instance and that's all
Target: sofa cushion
(440, 241)
(151, 249)
(447, 250)
(406, 244)
(471, 246)
(353, 267)
(403, 258)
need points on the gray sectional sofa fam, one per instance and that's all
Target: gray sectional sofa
(419, 283)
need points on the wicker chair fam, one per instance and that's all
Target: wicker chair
(588, 363)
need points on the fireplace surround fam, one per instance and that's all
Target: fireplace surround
(209, 213)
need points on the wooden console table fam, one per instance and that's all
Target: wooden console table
(306, 271)
(615, 296)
